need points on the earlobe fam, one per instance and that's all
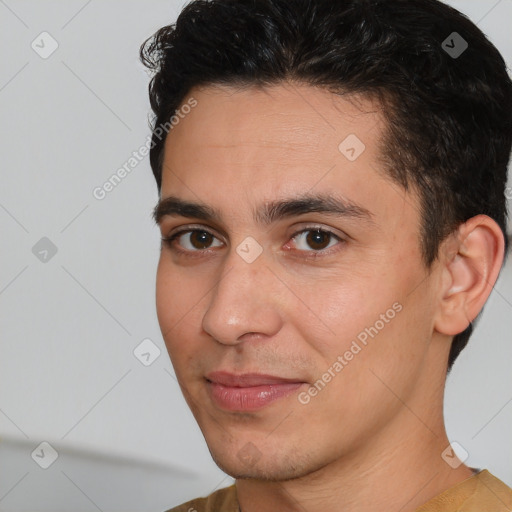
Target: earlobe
(469, 274)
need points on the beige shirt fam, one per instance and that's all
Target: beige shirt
(482, 492)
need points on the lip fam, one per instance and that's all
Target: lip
(249, 391)
(247, 380)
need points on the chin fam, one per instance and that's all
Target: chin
(250, 463)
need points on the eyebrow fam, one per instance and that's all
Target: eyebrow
(268, 212)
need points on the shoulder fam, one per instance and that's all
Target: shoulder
(481, 492)
(494, 491)
(223, 500)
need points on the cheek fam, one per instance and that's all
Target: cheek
(175, 299)
(350, 303)
(165, 296)
(379, 315)
(179, 303)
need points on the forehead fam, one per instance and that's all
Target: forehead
(242, 145)
(290, 118)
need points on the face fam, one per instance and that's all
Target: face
(297, 259)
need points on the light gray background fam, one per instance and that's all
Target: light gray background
(124, 435)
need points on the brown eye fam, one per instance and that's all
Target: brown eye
(201, 239)
(318, 239)
(315, 240)
(194, 240)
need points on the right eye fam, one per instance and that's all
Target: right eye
(192, 240)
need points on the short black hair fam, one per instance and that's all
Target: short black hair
(448, 108)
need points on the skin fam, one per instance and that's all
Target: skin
(372, 438)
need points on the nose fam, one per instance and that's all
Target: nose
(244, 301)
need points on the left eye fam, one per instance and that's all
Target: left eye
(317, 239)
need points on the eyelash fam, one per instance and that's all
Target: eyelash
(312, 254)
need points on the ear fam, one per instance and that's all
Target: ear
(471, 260)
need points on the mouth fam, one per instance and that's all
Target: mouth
(249, 391)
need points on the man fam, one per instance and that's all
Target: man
(333, 220)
